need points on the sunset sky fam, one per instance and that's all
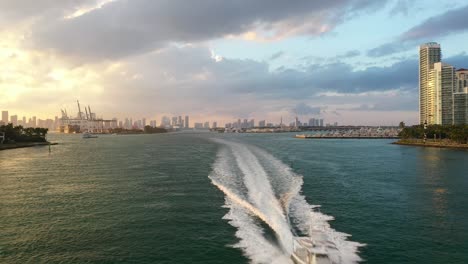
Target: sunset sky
(350, 61)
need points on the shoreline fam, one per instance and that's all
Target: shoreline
(25, 145)
(332, 137)
(432, 145)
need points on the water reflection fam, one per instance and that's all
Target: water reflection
(435, 166)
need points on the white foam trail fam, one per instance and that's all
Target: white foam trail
(260, 192)
(256, 183)
(252, 241)
(239, 201)
(303, 214)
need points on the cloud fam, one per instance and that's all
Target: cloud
(401, 7)
(450, 22)
(189, 78)
(389, 48)
(276, 55)
(123, 28)
(304, 109)
(349, 54)
(15, 11)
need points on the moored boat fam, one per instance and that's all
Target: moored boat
(88, 135)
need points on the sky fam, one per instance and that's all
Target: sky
(348, 61)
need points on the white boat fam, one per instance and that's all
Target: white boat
(89, 135)
(317, 248)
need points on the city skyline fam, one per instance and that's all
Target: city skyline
(165, 121)
(443, 89)
(339, 60)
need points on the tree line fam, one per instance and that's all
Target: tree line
(15, 134)
(146, 130)
(456, 133)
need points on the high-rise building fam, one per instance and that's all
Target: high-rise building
(179, 121)
(321, 122)
(187, 125)
(429, 54)
(14, 120)
(312, 122)
(460, 98)
(165, 121)
(5, 117)
(261, 123)
(460, 107)
(442, 83)
(215, 124)
(462, 80)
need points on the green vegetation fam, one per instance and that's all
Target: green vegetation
(147, 130)
(154, 130)
(457, 134)
(20, 134)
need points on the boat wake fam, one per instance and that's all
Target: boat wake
(264, 195)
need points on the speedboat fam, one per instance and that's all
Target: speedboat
(89, 135)
(317, 248)
(308, 251)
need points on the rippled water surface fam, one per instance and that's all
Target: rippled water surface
(153, 199)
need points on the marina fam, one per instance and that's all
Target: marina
(361, 133)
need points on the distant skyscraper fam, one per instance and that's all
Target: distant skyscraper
(5, 117)
(215, 124)
(429, 54)
(165, 121)
(14, 120)
(187, 125)
(312, 122)
(262, 123)
(179, 121)
(321, 122)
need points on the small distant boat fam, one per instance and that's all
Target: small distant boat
(303, 136)
(89, 135)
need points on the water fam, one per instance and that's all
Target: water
(201, 198)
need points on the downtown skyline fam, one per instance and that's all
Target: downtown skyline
(340, 61)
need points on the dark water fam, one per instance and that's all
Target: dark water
(148, 199)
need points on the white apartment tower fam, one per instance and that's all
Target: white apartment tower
(442, 83)
(429, 54)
